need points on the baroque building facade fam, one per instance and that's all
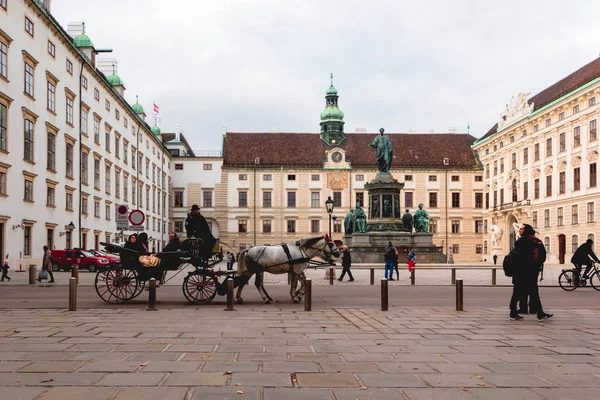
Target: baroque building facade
(540, 166)
(71, 146)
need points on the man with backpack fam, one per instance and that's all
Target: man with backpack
(539, 257)
(390, 260)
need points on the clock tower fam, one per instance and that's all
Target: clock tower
(332, 118)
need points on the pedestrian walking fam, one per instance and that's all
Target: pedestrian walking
(346, 264)
(396, 265)
(524, 269)
(495, 258)
(5, 268)
(411, 261)
(389, 256)
(47, 265)
(539, 256)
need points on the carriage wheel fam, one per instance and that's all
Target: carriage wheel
(116, 286)
(200, 288)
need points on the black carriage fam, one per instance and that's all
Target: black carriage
(126, 280)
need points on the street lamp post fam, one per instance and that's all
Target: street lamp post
(329, 208)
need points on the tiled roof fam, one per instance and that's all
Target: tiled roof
(426, 150)
(583, 75)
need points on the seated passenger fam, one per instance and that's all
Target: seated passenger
(174, 243)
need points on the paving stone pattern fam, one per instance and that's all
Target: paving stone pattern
(337, 353)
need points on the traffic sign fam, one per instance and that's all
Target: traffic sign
(121, 218)
(137, 217)
(122, 209)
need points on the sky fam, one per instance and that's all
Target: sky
(257, 65)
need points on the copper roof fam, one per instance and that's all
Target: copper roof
(426, 150)
(583, 75)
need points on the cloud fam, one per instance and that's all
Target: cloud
(263, 63)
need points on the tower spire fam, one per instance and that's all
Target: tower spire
(331, 76)
(332, 118)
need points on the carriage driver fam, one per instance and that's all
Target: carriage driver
(196, 226)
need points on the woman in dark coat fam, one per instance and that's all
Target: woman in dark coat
(142, 243)
(131, 242)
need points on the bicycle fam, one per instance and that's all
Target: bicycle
(570, 279)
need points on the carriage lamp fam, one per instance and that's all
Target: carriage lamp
(69, 228)
(329, 208)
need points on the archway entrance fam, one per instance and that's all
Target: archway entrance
(562, 247)
(512, 235)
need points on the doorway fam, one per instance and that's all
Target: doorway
(50, 238)
(562, 247)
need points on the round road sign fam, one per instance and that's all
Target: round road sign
(122, 209)
(137, 217)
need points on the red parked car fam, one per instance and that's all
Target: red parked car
(110, 257)
(65, 259)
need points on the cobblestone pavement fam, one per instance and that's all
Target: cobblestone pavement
(268, 353)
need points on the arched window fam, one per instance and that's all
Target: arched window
(574, 243)
(485, 248)
(515, 195)
(547, 244)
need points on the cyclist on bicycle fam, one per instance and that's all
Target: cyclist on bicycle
(584, 256)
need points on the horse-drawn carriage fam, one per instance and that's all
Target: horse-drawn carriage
(125, 281)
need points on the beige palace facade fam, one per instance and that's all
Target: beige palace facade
(540, 165)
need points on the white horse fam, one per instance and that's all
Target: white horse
(275, 260)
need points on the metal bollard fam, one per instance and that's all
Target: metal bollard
(72, 294)
(152, 295)
(412, 276)
(331, 275)
(459, 294)
(494, 277)
(230, 295)
(372, 276)
(384, 294)
(75, 272)
(454, 276)
(32, 274)
(308, 295)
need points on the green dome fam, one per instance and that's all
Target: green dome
(331, 91)
(155, 130)
(83, 40)
(114, 80)
(332, 112)
(138, 109)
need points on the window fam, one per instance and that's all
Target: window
(315, 200)
(593, 175)
(478, 226)
(107, 179)
(433, 178)
(96, 174)
(433, 226)
(360, 177)
(574, 243)
(360, 198)
(267, 177)
(501, 196)
(548, 147)
(267, 199)
(125, 152)
(525, 190)
(576, 178)
(84, 122)
(291, 177)
(478, 178)
(267, 226)
(3, 5)
(408, 178)
(536, 152)
(495, 168)
(84, 206)
(315, 177)
(487, 172)
(69, 160)
(562, 182)
(456, 178)
(548, 122)
(291, 199)
(28, 79)
(69, 200)
(548, 185)
(495, 198)
(593, 131)
(562, 142)
(315, 226)
(559, 216)
(337, 199)
(133, 156)
(514, 191)
(243, 199)
(84, 82)
(117, 184)
(2, 183)
(291, 226)
(125, 188)
(3, 60)
(478, 249)
(107, 212)
(536, 128)
(50, 196)
(547, 244)
(29, 26)
(561, 116)
(575, 214)
(69, 67)
(96, 94)
(51, 163)
(485, 226)
(577, 136)
(546, 218)
(118, 149)
(408, 199)
(502, 165)
(97, 130)
(536, 189)
(534, 220)
(117, 114)
(525, 156)
(433, 203)
(28, 193)
(107, 138)
(576, 109)
(514, 160)
(27, 241)
(107, 105)
(455, 226)
(478, 200)
(590, 212)
(28, 141)
(455, 200)
(207, 199)
(591, 101)
(207, 167)
(178, 167)
(51, 97)
(69, 106)
(243, 177)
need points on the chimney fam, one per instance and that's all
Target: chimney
(75, 28)
(178, 132)
(224, 129)
(47, 4)
(360, 130)
(432, 131)
(411, 130)
(452, 129)
(274, 130)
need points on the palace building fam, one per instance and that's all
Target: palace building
(540, 165)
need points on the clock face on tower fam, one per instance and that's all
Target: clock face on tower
(336, 157)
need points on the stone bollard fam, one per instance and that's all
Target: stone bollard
(494, 277)
(230, 295)
(384, 294)
(152, 295)
(412, 276)
(331, 275)
(72, 294)
(75, 273)
(32, 274)
(459, 294)
(308, 295)
(372, 276)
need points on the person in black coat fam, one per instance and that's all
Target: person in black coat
(174, 243)
(525, 274)
(582, 256)
(346, 263)
(196, 226)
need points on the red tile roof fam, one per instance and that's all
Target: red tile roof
(413, 150)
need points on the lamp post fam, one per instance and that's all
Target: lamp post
(329, 208)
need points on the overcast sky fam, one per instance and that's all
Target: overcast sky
(261, 64)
